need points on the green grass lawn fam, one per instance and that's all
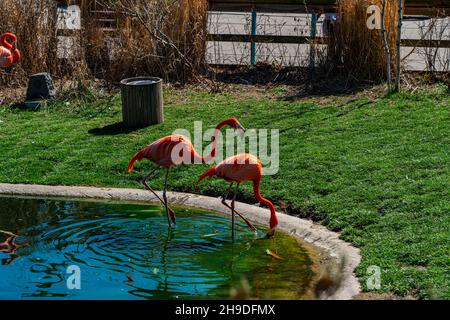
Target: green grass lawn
(376, 170)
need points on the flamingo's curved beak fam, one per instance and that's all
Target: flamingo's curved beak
(241, 130)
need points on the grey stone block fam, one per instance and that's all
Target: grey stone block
(40, 86)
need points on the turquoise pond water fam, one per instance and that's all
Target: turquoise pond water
(127, 251)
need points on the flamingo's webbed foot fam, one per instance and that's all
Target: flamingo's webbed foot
(270, 233)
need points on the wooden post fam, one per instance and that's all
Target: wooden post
(142, 101)
(312, 48)
(399, 44)
(386, 47)
(253, 43)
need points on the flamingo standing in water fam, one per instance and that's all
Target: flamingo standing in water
(9, 54)
(238, 169)
(162, 151)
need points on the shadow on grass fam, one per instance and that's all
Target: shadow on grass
(326, 88)
(305, 83)
(19, 106)
(113, 129)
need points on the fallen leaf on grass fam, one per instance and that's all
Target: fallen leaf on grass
(273, 254)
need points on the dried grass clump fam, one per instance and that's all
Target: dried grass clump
(165, 38)
(119, 38)
(356, 51)
(34, 24)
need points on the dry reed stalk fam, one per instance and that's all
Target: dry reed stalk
(34, 23)
(165, 38)
(356, 51)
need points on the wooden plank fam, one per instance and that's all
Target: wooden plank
(269, 8)
(408, 3)
(412, 7)
(425, 43)
(67, 32)
(428, 11)
(318, 40)
(261, 38)
(277, 2)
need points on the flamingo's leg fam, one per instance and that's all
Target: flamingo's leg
(145, 183)
(233, 211)
(224, 198)
(170, 214)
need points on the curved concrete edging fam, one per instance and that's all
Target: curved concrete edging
(306, 230)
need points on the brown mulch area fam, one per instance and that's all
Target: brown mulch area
(245, 81)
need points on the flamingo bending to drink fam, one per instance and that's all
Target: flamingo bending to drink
(9, 54)
(162, 151)
(238, 169)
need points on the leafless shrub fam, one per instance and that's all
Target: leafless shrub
(435, 58)
(33, 21)
(165, 38)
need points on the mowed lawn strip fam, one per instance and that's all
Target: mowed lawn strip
(376, 170)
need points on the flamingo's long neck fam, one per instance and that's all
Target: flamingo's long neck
(261, 199)
(137, 156)
(16, 55)
(5, 43)
(215, 137)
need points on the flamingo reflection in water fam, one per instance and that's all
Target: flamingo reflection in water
(9, 247)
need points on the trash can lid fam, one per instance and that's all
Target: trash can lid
(140, 82)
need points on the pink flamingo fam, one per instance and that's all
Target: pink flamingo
(9, 54)
(162, 152)
(237, 169)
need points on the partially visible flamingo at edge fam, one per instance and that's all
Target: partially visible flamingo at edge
(238, 169)
(9, 54)
(160, 152)
(9, 247)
